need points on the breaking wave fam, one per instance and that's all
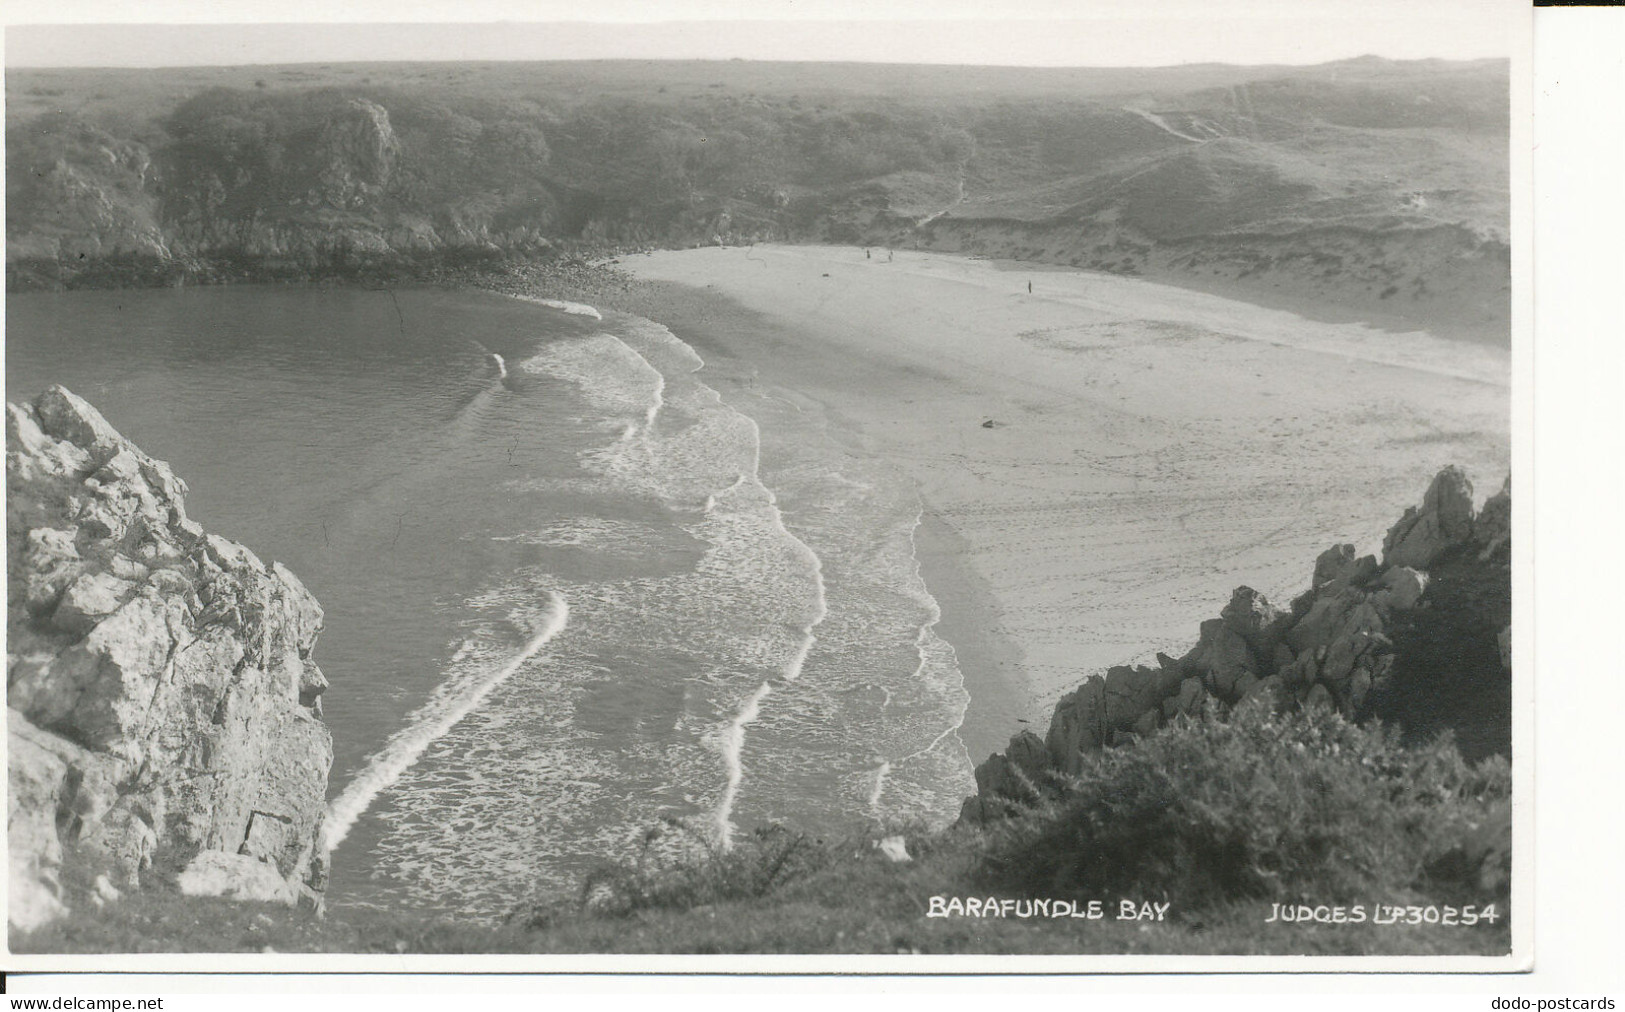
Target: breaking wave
(453, 701)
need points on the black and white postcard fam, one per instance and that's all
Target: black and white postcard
(906, 494)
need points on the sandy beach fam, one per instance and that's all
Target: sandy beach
(1150, 447)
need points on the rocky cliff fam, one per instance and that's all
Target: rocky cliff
(164, 711)
(1419, 639)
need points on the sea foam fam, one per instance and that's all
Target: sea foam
(625, 373)
(451, 703)
(573, 308)
(610, 374)
(717, 688)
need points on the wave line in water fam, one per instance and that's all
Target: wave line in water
(734, 738)
(878, 786)
(610, 373)
(922, 640)
(572, 308)
(792, 670)
(657, 402)
(733, 743)
(429, 722)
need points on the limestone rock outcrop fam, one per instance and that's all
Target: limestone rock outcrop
(1444, 521)
(1334, 647)
(355, 157)
(164, 708)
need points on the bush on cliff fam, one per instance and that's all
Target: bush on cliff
(1302, 806)
(680, 870)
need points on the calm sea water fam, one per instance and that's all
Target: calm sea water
(569, 589)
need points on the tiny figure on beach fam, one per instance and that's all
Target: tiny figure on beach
(1029, 288)
(888, 256)
(866, 254)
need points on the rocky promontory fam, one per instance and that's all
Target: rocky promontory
(164, 712)
(1419, 638)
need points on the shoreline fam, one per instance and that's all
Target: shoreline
(1101, 463)
(589, 269)
(989, 664)
(911, 362)
(748, 351)
(722, 333)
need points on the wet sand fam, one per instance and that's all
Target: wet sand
(1150, 447)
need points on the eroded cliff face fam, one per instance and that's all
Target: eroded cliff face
(164, 711)
(1420, 639)
(87, 194)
